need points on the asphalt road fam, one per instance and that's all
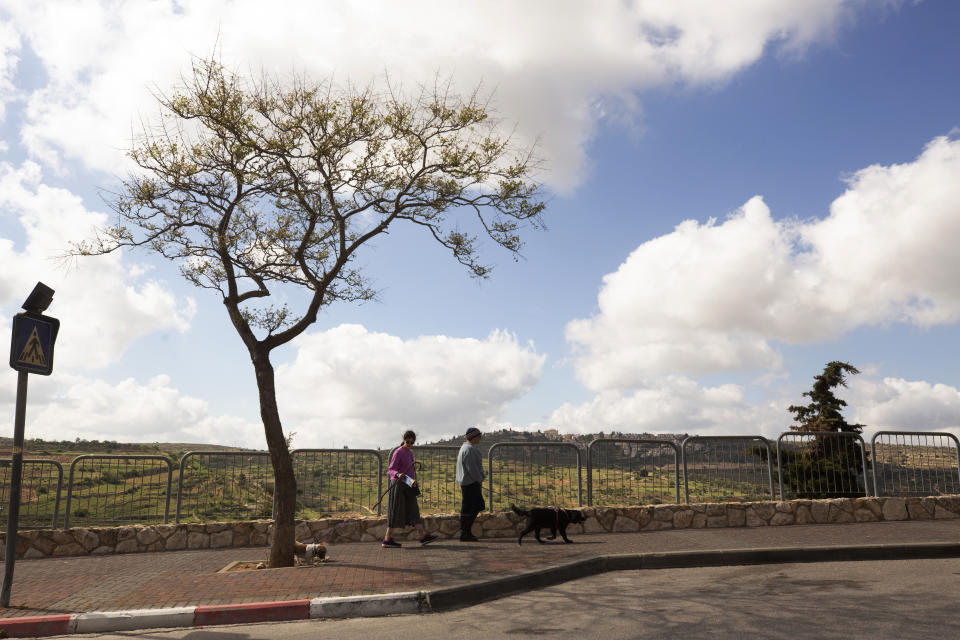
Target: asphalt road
(895, 599)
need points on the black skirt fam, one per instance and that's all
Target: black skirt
(472, 499)
(402, 507)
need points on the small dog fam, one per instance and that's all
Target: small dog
(310, 553)
(551, 518)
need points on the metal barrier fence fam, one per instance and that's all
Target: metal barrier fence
(535, 473)
(118, 489)
(731, 468)
(436, 475)
(821, 464)
(217, 485)
(910, 463)
(212, 489)
(337, 481)
(625, 471)
(39, 507)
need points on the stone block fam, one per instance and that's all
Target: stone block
(699, 520)
(165, 530)
(241, 539)
(763, 510)
(147, 536)
(939, 513)
(86, 539)
(258, 539)
(592, 525)
(126, 533)
(102, 551)
(156, 546)
(44, 544)
(714, 510)
(916, 511)
(33, 552)
(683, 519)
(863, 514)
(839, 514)
(498, 521)
(109, 536)
(301, 532)
(753, 520)
(844, 504)
(177, 540)
(664, 513)
(59, 536)
(784, 507)
(624, 523)
(221, 539)
(782, 518)
(716, 522)
(198, 540)
(803, 515)
(216, 527)
(127, 546)
(657, 525)
(736, 516)
(872, 504)
(820, 510)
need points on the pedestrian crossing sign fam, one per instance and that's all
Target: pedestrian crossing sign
(31, 345)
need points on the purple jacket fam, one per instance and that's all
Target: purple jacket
(401, 462)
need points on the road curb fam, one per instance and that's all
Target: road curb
(450, 598)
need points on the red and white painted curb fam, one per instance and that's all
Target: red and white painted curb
(208, 615)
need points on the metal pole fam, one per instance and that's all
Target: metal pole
(16, 477)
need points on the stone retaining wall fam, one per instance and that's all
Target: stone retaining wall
(258, 533)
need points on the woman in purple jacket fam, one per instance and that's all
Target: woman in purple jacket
(402, 508)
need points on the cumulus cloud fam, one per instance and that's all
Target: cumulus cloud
(895, 404)
(66, 406)
(351, 386)
(556, 66)
(9, 56)
(673, 404)
(716, 296)
(103, 301)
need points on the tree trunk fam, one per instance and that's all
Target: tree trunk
(285, 484)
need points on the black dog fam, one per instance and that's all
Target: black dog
(551, 518)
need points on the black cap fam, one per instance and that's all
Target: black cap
(471, 433)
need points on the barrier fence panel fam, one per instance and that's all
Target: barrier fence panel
(727, 468)
(39, 493)
(534, 474)
(915, 463)
(118, 489)
(337, 481)
(824, 464)
(629, 472)
(224, 485)
(436, 470)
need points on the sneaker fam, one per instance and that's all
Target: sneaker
(390, 544)
(427, 539)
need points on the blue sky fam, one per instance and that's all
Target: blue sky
(735, 198)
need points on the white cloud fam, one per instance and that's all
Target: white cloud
(672, 404)
(895, 404)
(65, 406)
(552, 63)
(350, 386)
(103, 303)
(9, 56)
(714, 296)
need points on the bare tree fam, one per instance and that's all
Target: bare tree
(252, 184)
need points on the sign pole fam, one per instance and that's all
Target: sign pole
(16, 478)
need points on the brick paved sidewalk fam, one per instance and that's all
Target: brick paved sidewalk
(48, 586)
